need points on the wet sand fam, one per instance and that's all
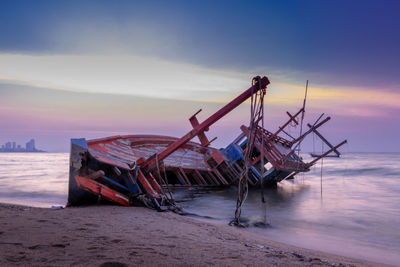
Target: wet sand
(121, 236)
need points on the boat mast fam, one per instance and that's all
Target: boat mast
(302, 116)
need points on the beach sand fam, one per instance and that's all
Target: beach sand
(135, 236)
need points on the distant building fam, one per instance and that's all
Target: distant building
(30, 146)
(8, 146)
(13, 147)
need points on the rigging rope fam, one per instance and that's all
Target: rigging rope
(256, 115)
(262, 167)
(322, 164)
(170, 199)
(313, 142)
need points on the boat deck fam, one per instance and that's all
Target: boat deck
(123, 151)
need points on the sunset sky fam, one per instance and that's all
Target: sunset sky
(99, 68)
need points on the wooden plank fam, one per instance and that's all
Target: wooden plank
(252, 163)
(326, 153)
(102, 190)
(159, 178)
(200, 176)
(215, 179)
(207, 177)
(195, 177)
(180, 178)
(324, 140)
(184, 176)
(234, 171)
(190, 186)
(147, 186)
(232, 175)
(95, 175)
(220, 177)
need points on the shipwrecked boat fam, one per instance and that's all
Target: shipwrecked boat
(140, 169)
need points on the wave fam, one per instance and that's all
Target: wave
(32, 194)
(380, 171)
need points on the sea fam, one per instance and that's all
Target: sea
(347, 206)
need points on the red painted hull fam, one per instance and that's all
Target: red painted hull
(102, 190)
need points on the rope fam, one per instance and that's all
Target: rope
(262, 168)
(165, 179)
(313, 142)
(322, 164)
(256, 115)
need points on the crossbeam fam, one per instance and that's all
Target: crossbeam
(311, 129)
(326, 153)
(304, 135)
(291, 118)
(207, 123)
(201, 135)
(324, 139)
(309, 164)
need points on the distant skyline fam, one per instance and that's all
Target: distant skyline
(12, 146)
(98, 68)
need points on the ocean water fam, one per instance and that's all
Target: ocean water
(35, 179)
(353, 210)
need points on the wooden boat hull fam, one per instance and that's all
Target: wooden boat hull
(99, 189)
(122, 180)
(122, 169)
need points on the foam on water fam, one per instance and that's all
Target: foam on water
(357, 213)
(35, 179)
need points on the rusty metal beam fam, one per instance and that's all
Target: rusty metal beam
(207, 123)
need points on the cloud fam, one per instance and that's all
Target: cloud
(127, 74)
(346, 101)
(53, 116)
(122, 74)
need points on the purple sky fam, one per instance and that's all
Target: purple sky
(98, 68)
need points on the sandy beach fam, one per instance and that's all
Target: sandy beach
(120, 236)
